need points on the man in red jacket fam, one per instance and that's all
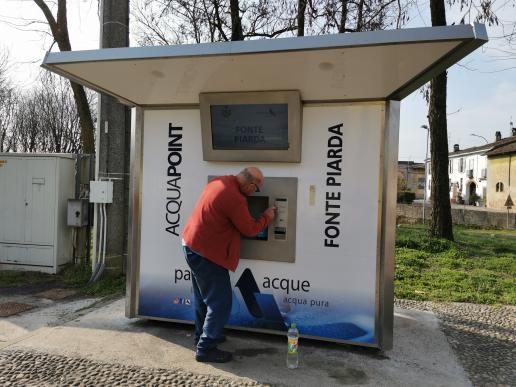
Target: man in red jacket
(211, 241)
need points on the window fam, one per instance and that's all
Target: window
(471, 163)
(499, 187)
(450, 166)
(461, 165)
(421, 183)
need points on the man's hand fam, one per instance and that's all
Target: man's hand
(270, 213)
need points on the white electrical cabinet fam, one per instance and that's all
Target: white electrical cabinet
(34, 189)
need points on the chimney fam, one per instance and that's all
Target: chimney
(456, 147)
(498, 135)
(513, 131)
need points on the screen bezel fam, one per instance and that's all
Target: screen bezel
(292, 98)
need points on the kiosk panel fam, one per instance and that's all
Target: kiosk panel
(278, 241)
(325, 280)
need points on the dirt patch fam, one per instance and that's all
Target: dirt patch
(56, 294)
(10, 308)
(26, 289)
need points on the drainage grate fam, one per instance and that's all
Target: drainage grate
(9, 308)
(56, 294)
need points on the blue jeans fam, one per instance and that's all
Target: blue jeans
(212, 299)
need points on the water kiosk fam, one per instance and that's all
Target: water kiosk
(319, 115)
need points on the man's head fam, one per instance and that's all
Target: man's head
(250, 180)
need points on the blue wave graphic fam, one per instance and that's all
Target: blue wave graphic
(335, 323)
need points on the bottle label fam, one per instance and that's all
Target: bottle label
(292, 345)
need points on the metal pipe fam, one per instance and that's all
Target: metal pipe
(101, 234)
(426, 173)
(105, 232)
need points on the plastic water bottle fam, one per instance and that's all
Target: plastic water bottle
(292, 351)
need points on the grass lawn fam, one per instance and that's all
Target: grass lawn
(112, 281)
(479, 267)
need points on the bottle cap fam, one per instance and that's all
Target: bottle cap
(293, 325)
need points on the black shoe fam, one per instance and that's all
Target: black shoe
(219, 340)
(214, 355)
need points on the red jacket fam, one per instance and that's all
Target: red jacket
(219, 218)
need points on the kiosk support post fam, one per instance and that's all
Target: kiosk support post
(133, 240)
(388, 233)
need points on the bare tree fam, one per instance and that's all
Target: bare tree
(197, 21)
(42, 119)
(159, 22)
(7, 113)
(7, 106)
(59, 121)
(329, 16)
(441, 221)
(177, 21)
(27, 125)
(59, 28)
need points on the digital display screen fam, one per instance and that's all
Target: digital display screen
(250, 126)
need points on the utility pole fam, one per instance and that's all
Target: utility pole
(113, 135)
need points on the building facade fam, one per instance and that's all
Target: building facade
(501, 169)
(411, 177)
(469, 173)
(467, 170)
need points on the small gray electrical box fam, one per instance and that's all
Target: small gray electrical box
(101, 191)
(77, 212)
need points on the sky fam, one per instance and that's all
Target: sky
(481, 88)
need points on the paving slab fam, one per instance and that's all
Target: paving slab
(421, 355)
(42, 313)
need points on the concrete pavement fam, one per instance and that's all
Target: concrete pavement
(421, 354)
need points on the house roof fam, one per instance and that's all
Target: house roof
(507, 148)
(474, 149)
(375, 65)
(411, 164)
(484, 149)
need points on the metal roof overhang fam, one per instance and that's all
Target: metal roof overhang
(378, 65)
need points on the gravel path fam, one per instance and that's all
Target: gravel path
(19, 368)
(482, 336)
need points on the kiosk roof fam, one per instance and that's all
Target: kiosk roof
(375, 65)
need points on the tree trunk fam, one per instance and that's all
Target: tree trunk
(83, 108)
(343, 16)
(236, 23)
(441, 221)
(301, 8)
(360, 16)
